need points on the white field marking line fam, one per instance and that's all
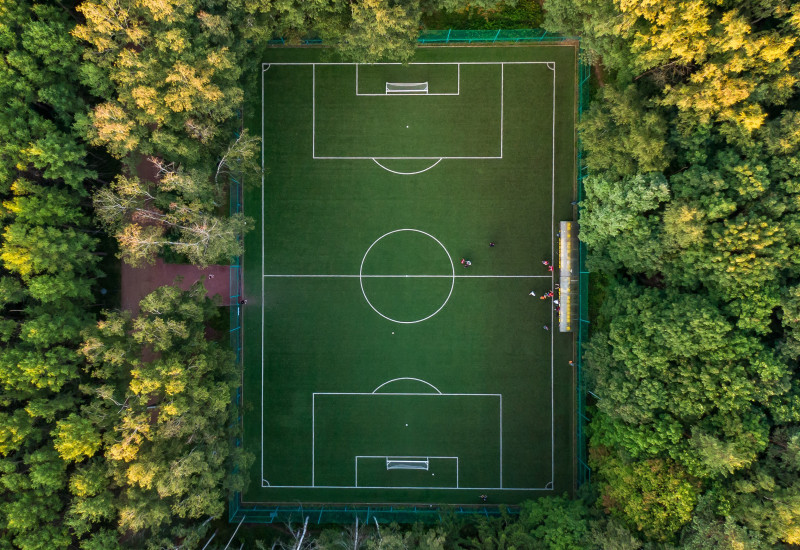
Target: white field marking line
(552, 255)
(421, 63)
(364, 292)
(406, 173)
(266, 66)
(404, 94)
(313, 436)
(313, 111)
(403, 456)
(458, 64)
(546, 488)
(501, 441)
(407, 378)
(263, 315)
(314, 432)
(415, 394)
(312, 276)
(458, 76)
(382, 457)
(406, 158)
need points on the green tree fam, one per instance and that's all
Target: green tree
(654, 496)
(145, 223)
(620, 221)
(164, 419)
(379, 30)
(622, 136)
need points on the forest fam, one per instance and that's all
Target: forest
(117, 431)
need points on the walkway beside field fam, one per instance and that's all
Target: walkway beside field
(139, 282)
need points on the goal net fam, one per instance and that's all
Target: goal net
(406, 87)
(405, 464)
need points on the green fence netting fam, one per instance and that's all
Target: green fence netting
(454, 36)
(512, 35)
(339, 513)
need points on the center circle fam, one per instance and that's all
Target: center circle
(385, 256)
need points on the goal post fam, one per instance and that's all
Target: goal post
(407, 464)
(407, 472)
(406, 87)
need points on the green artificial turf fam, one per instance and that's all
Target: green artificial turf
(365, 339)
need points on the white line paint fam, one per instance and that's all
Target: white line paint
(417, 394)
(411, 394)
(502, 96)
(373, 158)
(422, 63)
(452, 276)
(549, 486)
(552, 255)
(313, 436)
(407, 173)
(384, 457)
(458, 76)
(319, 276)
(546, 488)
(313, 111)
(407, 158)
(407, 378)
(501, 441)
(263, 186)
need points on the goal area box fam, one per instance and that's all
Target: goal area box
(378, 368)
(467, 428)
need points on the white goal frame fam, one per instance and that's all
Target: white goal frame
(426, 460)
(407, 88)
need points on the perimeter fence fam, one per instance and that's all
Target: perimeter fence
(454, 36)
(339, 513)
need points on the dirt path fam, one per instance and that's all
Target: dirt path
(139, 282)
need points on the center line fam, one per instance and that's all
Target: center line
(415, 276)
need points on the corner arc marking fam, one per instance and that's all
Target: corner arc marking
(551, 65)
(407, 173)
(408, 378)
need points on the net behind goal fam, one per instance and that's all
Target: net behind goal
(406, 464)
(406, 87)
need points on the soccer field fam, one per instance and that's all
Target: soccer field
(378, 368)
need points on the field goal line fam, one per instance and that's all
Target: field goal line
(407, 88)
(406, 463)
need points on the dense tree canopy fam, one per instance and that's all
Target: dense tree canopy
(114, 430)
(691, 212)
